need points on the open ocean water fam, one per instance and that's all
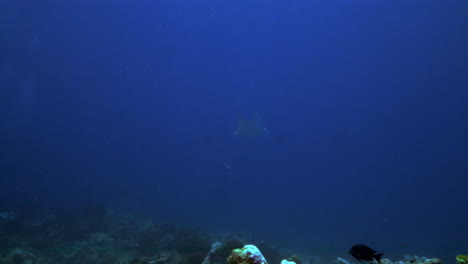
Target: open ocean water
(137, 132)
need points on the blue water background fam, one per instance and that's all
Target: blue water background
(366, 102)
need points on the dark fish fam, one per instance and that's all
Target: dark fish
(361, 252)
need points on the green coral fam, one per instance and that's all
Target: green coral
(222, 253)
(462, 259)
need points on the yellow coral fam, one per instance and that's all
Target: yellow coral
(462, 259)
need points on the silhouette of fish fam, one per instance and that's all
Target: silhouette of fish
(251, 128)
(362, 252)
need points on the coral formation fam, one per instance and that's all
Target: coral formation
(210, 257)
(407, 259)
(294, 258)
(249, 254)
(420, 260)
(386, 261)
(433, 261)
(339, 260)
(222, 253)
(99, 236)
(272, 253)
(188, 241)
(19, 256)
(195, 258)
(285, 261)
(462, 259)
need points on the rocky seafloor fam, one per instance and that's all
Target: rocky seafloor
(103, 237)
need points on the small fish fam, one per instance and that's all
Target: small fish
(361, 252)
(251, 128)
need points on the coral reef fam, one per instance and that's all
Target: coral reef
(19, 256)
(406, 260)
(272, 253)
(462, 259)
(419, 260)
(249, 254)
(386, 261)
(285, 261)
(433, 261)
(188, 241)
(339, 260)
(220, 251)
(210, 258)
(294, 258)
(99, 236)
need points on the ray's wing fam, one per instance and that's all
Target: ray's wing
(260, 125)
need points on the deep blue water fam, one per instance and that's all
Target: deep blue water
(366, 101)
